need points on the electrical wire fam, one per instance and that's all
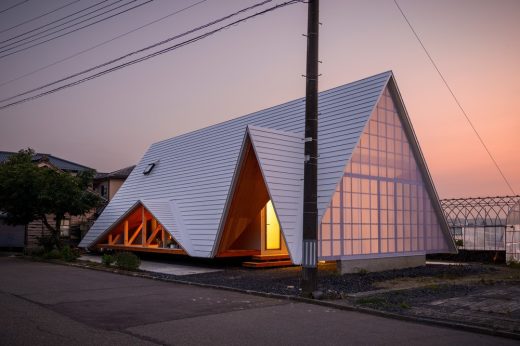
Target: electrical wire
(102, 43)
(13, 6)
(151, 55)
(65, 23)
(74, 30)
(54, 21)
(38, 17)
(142, 50)
(456, 100)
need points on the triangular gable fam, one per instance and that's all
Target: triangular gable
(165, 212)
(134, 225)
(281, 158)
(348, 228)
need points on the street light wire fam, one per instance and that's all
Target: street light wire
(456, 100)
(151, 55)
(102, 43)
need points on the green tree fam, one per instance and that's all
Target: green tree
(29, 193)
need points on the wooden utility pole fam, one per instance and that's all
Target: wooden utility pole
(310, 190)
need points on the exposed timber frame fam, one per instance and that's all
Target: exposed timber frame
(139, 230)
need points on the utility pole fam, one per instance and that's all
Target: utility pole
(309, 281)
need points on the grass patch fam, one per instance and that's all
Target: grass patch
(372, 301)
(382, 303)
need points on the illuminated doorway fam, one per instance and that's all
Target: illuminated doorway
(251, 227)
(273, 237)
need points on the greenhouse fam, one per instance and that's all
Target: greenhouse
(485, 224)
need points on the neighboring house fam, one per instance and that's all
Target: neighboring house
(71, 226)
(236, 188)
(107, 184)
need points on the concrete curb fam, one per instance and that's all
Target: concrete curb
(329, 304)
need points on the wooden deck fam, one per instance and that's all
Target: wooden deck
(267, 264)
(270, 257)
(239, 253)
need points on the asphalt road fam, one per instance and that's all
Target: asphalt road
(48, 304)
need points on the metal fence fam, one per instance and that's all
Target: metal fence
(485, 224)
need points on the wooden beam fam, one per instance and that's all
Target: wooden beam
(152, 236)
(154, 223)
(110, 239)
(136, 233)
(114, 239)
(143, 237)
(126, 232)
(163, 237)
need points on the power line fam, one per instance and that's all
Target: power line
(54, 21)
(62, 24)
(142, 50)
(38, 17)
(102, 43)
(77, 29)
(28, 38)
(456, 100)
(13, 6)
(151, 55)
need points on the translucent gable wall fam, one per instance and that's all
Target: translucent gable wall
(381, 206)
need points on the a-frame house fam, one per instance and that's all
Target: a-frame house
(236, 188)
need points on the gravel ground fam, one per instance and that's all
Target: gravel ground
(287, 280)
(400, 301)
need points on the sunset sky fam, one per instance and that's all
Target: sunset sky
(108, 123)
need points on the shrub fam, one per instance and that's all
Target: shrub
(53, 254)
(513, 264)
(69, 254)
(127, 260)
(46, 242)
(107, 259)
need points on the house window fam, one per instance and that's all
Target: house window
(103, 190)
(65, 228)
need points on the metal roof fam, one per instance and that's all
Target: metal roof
(58, 162)
(122, 173)
(194, 171)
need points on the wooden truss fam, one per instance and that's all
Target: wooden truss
(140, 231)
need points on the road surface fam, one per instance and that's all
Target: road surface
(49, 304)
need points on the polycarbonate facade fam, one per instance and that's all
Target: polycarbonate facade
(381, 205)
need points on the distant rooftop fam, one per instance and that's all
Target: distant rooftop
(58, 162)
(122, 173)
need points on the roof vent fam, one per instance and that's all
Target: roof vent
(149, 168)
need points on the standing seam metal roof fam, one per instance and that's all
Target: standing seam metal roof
(195, 170)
